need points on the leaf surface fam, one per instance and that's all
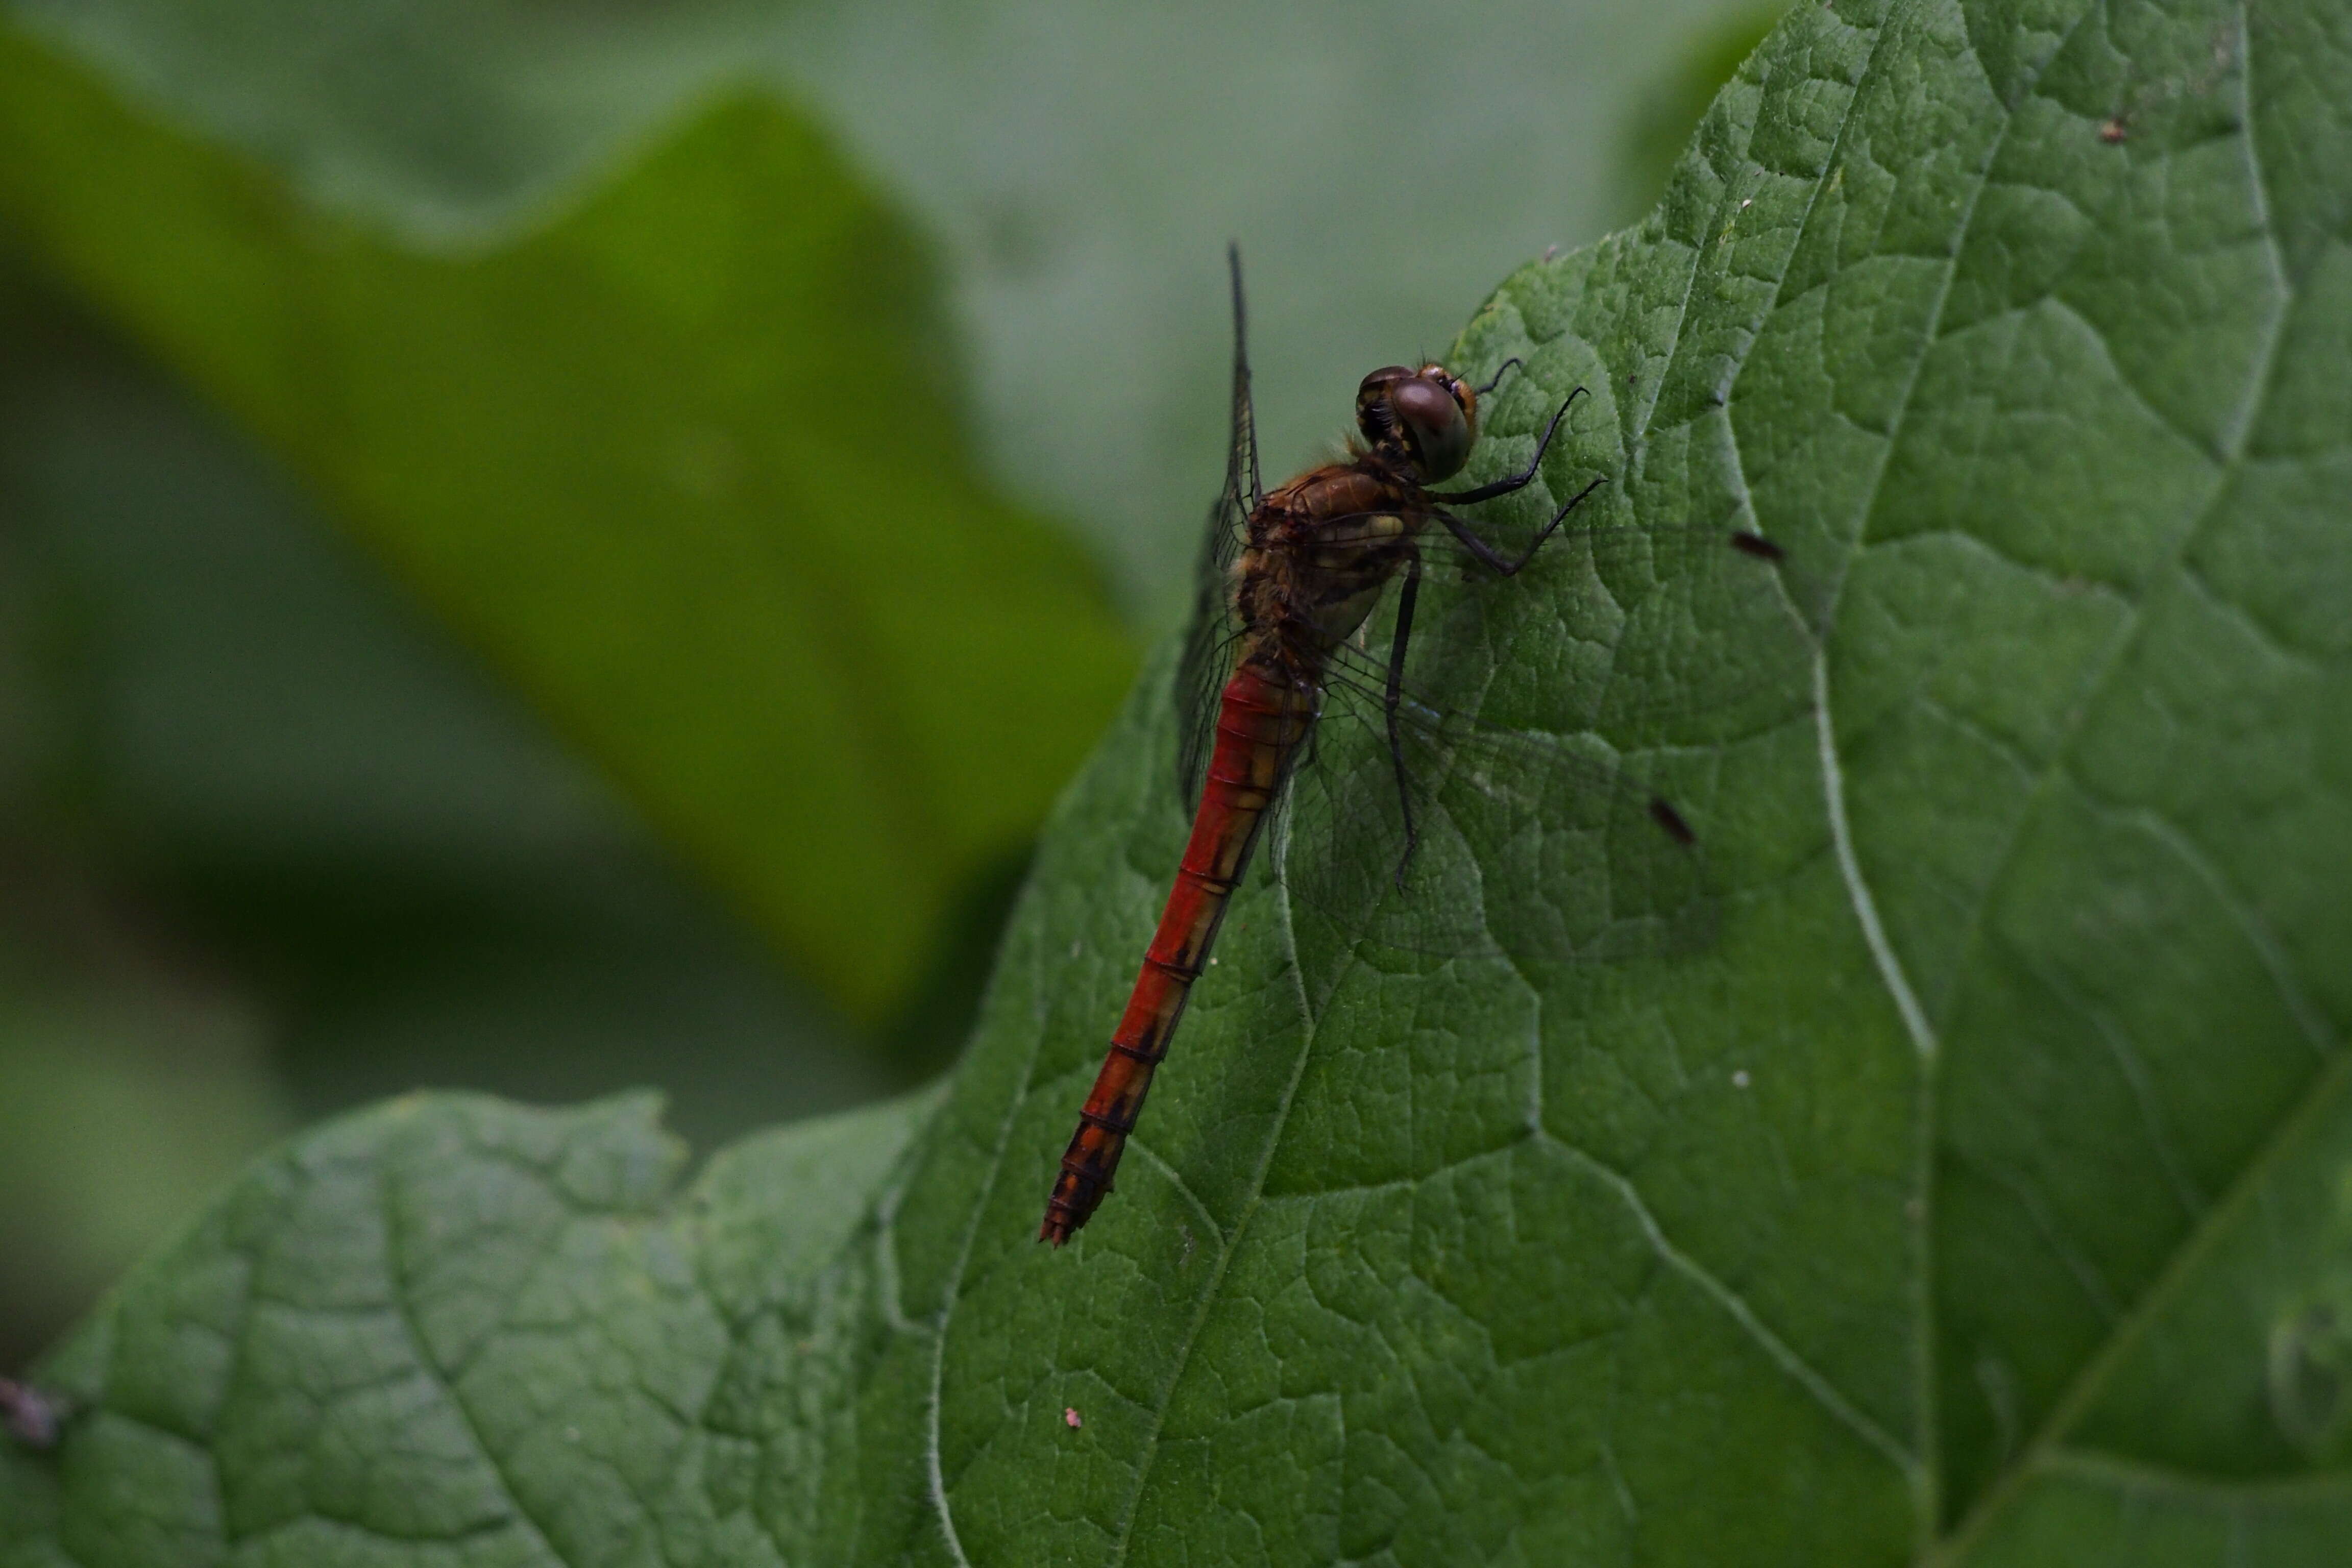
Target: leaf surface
(1982, 1194)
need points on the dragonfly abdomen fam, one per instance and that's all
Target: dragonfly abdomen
(1262, 719)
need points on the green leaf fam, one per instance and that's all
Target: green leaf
(1982, 1194)
(685, 461)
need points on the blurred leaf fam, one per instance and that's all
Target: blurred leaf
(1659, 127)
(267, 848)
(255, 743)
(686, 462)
(115, 1119)
(450, 122)
(1983, 1195)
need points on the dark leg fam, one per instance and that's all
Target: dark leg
(1393, 697)
(1496, 379)
(1493, 557)
(1525, 477)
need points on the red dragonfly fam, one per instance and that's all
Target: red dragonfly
(1288, 579)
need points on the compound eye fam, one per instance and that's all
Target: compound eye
(1436, 428)
(1375, 414)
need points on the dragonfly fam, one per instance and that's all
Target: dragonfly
(1287, 580)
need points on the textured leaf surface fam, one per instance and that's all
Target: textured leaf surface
(685, 462)
(1982, 1195)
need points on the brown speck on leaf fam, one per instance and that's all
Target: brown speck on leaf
(2112, 130)
(1071, 1418)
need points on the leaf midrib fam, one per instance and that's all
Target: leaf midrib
(1927, 1479)
(2090, 1383)
(1228, 1244)
(2090, 1379)
(1926, 1038)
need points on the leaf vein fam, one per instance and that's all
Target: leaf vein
(1795, 1367)
(1227, 1247)
(395, 1265)
(2327, 1087)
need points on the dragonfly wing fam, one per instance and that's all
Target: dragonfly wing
(1209, 647)
(1242, 477)
(1655, 601)
(1541, 848)
(1544, 773)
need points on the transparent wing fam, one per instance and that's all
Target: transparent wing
(1535, 846)
(1648, 610)
(1209, 647)
(1558, 802)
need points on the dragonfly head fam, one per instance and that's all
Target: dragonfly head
(1428, 417)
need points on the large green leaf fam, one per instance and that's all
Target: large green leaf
(1983, 1194)
(686, 462)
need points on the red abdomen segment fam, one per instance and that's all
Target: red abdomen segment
(1261, 720)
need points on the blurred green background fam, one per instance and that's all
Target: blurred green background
(549, 547)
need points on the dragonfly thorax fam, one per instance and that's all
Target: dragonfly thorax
(1326, 544)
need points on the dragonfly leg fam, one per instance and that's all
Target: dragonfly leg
(1525, 477)
(1502, 564)
(1393, 697)
(1496, 380)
